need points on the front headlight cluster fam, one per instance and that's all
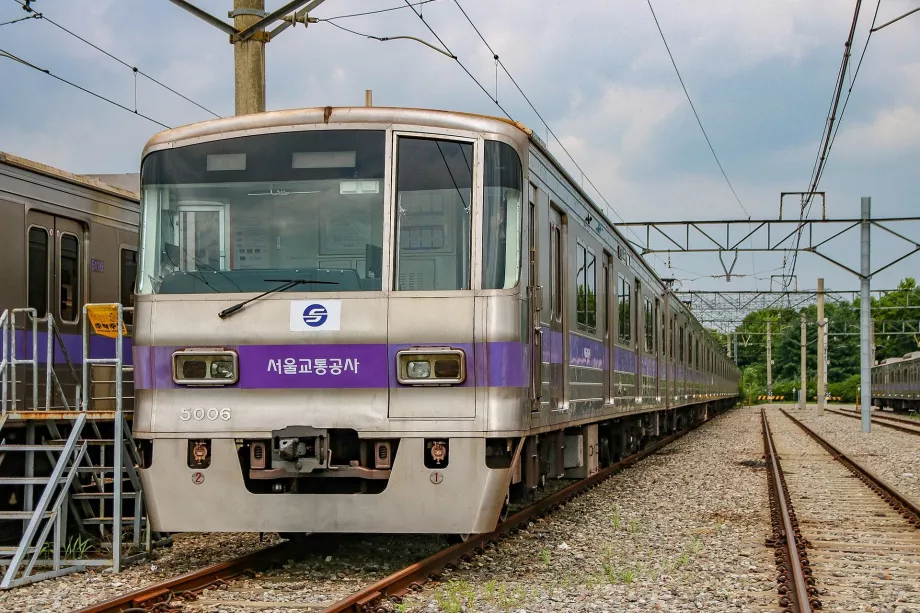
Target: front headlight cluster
(431, 366)
(205, 367)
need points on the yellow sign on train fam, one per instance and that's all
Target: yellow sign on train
(104, 319)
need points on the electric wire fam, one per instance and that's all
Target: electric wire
(16, 58)
(693, 108)
(393, 8)
(830, 131)
(33, 16)
(134, 69)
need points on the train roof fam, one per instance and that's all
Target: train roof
(69, 177)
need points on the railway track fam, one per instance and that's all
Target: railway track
(902, 424)
(844, 540)
(376, 597)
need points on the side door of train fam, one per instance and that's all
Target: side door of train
(56, 278)
(558, 341)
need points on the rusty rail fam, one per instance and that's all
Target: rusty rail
(797, 595)
(411, 578)
(884, 420)
(154, 597)
(149, 597)
(898, 501)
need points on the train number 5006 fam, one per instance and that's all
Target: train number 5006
(202, 414)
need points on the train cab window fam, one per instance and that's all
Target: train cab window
(585, 288)
(434, 180)
(70, 279)
(127, 277)
(501, 220)
(38, 270)
(624, 312)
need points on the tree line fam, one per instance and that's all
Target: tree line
(888, 313)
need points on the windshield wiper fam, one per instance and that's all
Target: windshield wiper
(288, 284)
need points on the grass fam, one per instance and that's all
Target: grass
(615, 519)
(455, 596)
(544, 556)
(633, 526)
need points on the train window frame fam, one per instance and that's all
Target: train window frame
(586, 281)
(680, 345)
(48, 234)
(77, 286)
(624, 310)
(502, 217)
(557, 273)
(122, 249)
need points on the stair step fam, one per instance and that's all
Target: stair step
(22, 514)
(88, 441)
(99, 495)
(95, 521)
(11, 550)
(50, 446)
(24, 480)
(95, 469)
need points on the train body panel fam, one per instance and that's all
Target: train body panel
(896, 383)
(444, 311)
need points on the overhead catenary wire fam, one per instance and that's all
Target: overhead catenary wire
(18, 59)
(832, 123)
(378, 11)
(134, 69)
(693, 108)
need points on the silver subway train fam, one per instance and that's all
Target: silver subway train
(390, 320)
(896, 383)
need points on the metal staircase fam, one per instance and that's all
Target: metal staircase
(67, 468)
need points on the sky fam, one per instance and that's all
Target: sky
(761, 76)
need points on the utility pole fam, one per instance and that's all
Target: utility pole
(249, 58)
(865, 317)
(804, 360)
(822, 330)
(769, 361)
(248, 35)
(736, 346)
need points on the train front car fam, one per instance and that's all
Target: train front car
(329, 322)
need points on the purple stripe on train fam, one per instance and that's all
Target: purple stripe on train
(368, 366)
(99, 347)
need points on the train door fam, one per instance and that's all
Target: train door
(638, 338)
(559, 342)
(658, 342)
(535, 292)
(608, 323)
(56, 280)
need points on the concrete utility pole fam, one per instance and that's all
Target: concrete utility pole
(249, 58)
(248, 35)
(865, 317)
(802, 398)
(736, 346)
(769, 361)
(822, 329)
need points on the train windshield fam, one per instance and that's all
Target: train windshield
(239, 214)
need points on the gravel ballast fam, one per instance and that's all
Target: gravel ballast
(892, 455)
(683, 530)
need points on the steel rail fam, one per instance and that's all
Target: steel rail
(148, 597)
(787, 540)
(900, 502)
(884, 420)
(411, 578)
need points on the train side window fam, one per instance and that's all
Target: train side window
(680, 345)
(501, 221)
(624, 321)
(37, 290)
(557, 256)
(127, 278)
(649, 326)
(70, 278)
(585, 288)
(659, 327)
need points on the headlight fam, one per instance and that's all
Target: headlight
(418, 370)
(205, 367)
(431, 366)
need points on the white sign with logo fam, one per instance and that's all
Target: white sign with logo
(315, 315)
